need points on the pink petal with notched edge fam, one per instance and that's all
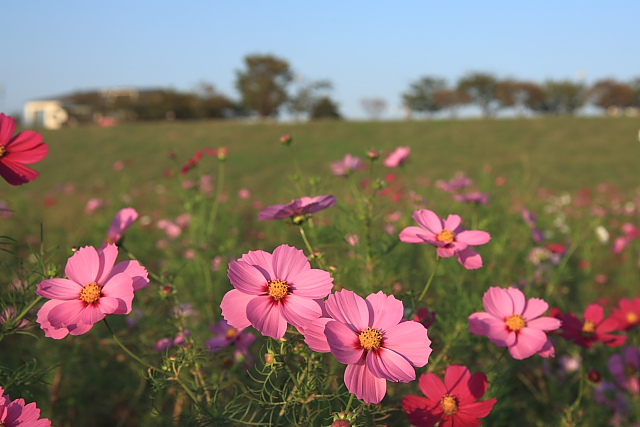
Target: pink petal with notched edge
(452, 223)
(289, 262)
(7, 128)
(315, 337)
(16, 173)
(518, 299)
(476, 323)
(133, 269)
(456, 380)
(390, 365)
(27, 147)
(498, 332)
(247, 278)
(313, 283)
(429, 220)
(92, 314)
(385, 311)
(595, 313)
(498, 302)
(234, 308)
(544, 323)
(432, 386)
(266, 317)
(530, 341)
(83, 266)
(411, 341)
(361, 382)
(547, 350)
(275, 212)
(261, 260)
(110, 305)
(344, 343)
(478, 409)
(119, 286)
(473, 237)
(299, 311)
(107, 258)
(123, 219)
(446, 252)
(350, 308)
(534, 308)
(415, 234)
(43, 319)
(66, 314)
(470, 259)
(80, 328)
(477, 386)
(63, 289)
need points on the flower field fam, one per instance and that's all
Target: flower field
(480, 272)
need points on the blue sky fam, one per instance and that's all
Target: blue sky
(369, 49)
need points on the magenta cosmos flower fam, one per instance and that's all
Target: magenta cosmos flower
(346, 166)
(372, 339)
(16, 151)
(273, 289)
(452, 403)
(593, 329)
(514, 322)
(398, 157)
(17, 413)
(297, 208)
(95, 287)
(121, 223)
(448, 236)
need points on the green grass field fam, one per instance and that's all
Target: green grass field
(523, 163)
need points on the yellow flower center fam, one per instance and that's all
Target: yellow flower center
(632, 318)
(515, 322)
(449, 404)
(3, 151)
(232, 332)
(278, 289)
(589, 327)
(446, 236)
(91, 293)
(371, 339)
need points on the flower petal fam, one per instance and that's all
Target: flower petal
(498, 302)
(473, 237)
(415, 234)
(349, 308)
(429, 220)
(544, 323)
(361, 382)
(390, 365)
(432, 386)
(83, 266)
(470, 259)
(385, 311)
(247, 278)
(409, 339)
(289, 262)
(261, 260)
(344, 343)
(534, 307)
(312, 283)
(452, 223)
(234, 308)
(107, 257)
(300, 311)
(266, 317)
(517, 296)
(529, 342)
(63, 289)
(422, 411)
(315, 337)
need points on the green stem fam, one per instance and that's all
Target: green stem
(309, 247)
(216, 202)
(433, 274)
(298, 172)
(24, 312)
(130, 254)
(129, 352)
(346, 410)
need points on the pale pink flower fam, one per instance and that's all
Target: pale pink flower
(118, 165)
(346, 166)
(95, 287)
(189, 254)
(216, 263)
(512, 321)
(17, 151)
(296, 208)
(5, 209)
(273, 289)
(372, 339)
(93, 205)
(448, 236)
(172, 229)
(398, 157)
(244, 194)
(18, 413)
(352, 239)
(121, 223)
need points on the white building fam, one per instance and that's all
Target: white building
(47, 113)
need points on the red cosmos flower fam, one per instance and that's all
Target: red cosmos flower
(594, 328)
(23, 148)
(627, 313)
(453, 403)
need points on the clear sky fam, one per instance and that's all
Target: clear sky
(367, 49)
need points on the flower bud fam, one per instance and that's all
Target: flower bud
(286, 139)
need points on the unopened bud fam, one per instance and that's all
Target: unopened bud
(269, 358)
(373, 154)
(286, 139)
(341, 423)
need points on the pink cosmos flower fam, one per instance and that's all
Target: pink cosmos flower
(297, 208)
(95, 287)
(452, 403)
(448, 236)
(121, 223)
(473, 197)
(15, 151)
(459, 182)
(372, 339)
(346, 166)
(273, 289)
(512, 321)
(398, 157)
(594, 328)
(17, 413)
(627, 313)
(93, 205)
(625, 368)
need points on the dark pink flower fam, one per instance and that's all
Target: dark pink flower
(512, 321)
(17, 151)
(398, 157)
(95, 287)
(372, 339)
(594, 328)
(627, 313)
(448, 236)
(273, 289)
(298, 207)
(346, 166)
(452, 403)
(17, 413)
